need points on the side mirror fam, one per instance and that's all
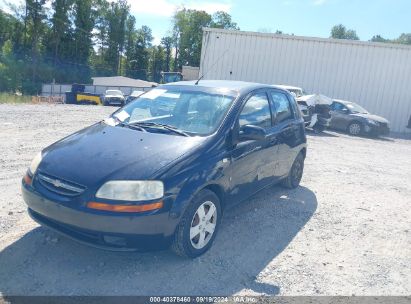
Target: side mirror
(250, 132)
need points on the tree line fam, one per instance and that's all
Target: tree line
(69, 41)
(341, 32)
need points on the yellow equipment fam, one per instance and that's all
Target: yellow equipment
(82, 98)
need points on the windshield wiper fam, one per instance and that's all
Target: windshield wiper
(159, 126)
(132, 126)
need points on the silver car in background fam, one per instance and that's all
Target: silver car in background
(114, 98)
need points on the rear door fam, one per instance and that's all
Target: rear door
(288, 129)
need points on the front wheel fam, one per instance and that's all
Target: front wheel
(198, 227)
(355, 128)
(296, 173)
(318, 128)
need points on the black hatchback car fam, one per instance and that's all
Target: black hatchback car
(160, 171)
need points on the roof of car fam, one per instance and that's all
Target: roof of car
(342, 101)
(224, 84)
(287, 87)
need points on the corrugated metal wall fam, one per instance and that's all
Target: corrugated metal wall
(377, 76)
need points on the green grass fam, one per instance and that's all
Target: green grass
(12, 98)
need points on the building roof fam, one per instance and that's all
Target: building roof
(121, 81)
(294, 37)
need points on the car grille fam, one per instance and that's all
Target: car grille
(60, 186)
(115, 100)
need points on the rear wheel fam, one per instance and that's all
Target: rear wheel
(355, 128)
(198, 227)
(296, 173)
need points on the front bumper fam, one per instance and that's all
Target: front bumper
(106, 231)
(380, 129)
(114, 101)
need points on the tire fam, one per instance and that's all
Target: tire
(355, 128)
(318, 128)
(185, 246)
(296, 173)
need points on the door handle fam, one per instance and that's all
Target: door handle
(273, 140)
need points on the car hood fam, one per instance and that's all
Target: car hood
(102, 152)
(114, 96)
(372, 117)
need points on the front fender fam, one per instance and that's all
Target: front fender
(209, 176)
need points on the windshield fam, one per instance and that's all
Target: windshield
(191, 112)
(113, 92)
(355, 108)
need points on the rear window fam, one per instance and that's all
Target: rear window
(282, 107)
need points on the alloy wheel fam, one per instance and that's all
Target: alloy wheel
(203, 225)
(355, 129)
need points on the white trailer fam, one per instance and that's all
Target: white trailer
(375, 75)
(190, 73)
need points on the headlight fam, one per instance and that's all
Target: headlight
(131, 190)
(35, 163)
(373, 122)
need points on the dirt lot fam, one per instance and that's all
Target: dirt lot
(345, 231)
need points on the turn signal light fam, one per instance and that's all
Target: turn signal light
(125, 208)
(27, 179)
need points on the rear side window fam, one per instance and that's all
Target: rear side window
(282, 107)
(256, 112)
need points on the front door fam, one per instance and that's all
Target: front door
(253, 162)
(339, 113)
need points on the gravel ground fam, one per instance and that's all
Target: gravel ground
(345, 231)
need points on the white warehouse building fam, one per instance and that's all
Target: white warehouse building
(375, 75)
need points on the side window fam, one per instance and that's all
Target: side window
(336, 106)
(256, 112)
(282, 107)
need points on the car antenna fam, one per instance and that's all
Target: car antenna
(214, 64)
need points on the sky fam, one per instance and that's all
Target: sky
(313, 18)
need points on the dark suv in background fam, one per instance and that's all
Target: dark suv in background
(352, 118)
